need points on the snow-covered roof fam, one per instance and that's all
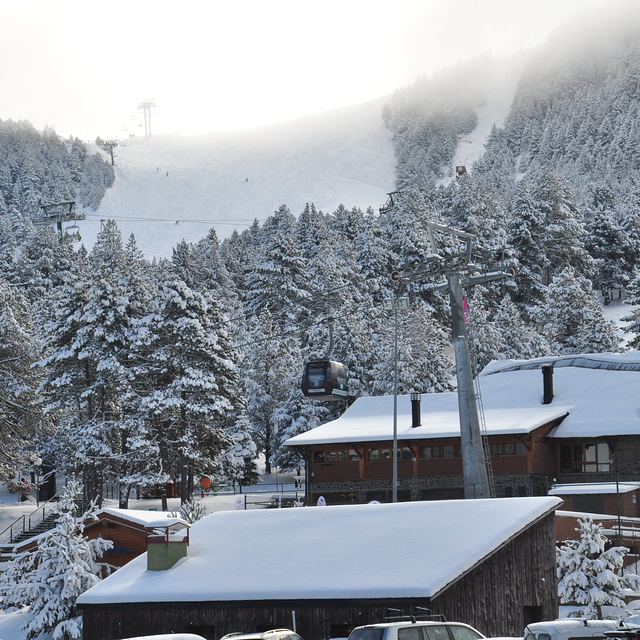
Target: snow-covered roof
(349, 551)
(599, 395)
(144, 518)
(590, 488)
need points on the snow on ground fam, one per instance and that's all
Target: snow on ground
(615, 311)
(11, 623)
(269, 485)
(177, 187)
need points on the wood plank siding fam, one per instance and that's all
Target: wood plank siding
(502, 593)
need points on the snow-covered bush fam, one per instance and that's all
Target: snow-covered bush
(50, 579)
(590, 576)
(191, 511)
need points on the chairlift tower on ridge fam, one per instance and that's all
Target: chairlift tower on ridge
(458, 266)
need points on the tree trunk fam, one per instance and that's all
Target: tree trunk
(184, 489)
(123, 496)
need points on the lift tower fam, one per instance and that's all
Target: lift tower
(455, 260)
(146, 106)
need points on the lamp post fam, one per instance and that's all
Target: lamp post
(37, 463)
(395, 304)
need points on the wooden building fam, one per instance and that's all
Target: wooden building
(126, 528)
(325, 570)
(591, 417)
(621, 498)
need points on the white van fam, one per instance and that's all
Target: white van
(571, 629)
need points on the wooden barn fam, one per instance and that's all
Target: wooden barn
(126, 528)
(325, 570)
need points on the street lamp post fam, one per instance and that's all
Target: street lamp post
(37, 463)
(394, 304)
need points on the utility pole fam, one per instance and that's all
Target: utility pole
(146, 106)
(110, 145)
(395, 304)
(459, 269)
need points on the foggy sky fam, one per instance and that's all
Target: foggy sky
(84, 67)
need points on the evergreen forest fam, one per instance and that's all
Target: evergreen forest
(117, 367)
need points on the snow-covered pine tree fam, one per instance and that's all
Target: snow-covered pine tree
(564, 228)
(519, 340)
(276, 281)
(525, 231)
(192, 382)
(21, 416)
(272, 367)
(238, 462)
(50, 579)
(191, 511)
(607, 243)
(88, 343)
(423, 365)
(572, 319)
(590, 576)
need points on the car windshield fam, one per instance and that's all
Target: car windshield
(364, 633)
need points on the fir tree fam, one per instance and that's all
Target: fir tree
(192, 382)
(276, 282)
(272, 369)
(589, 575)
(21, 417)
(572, 319)
(50, 579)
(238, 462)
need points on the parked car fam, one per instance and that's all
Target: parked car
(169, 636)
(412, 629)
(572, 629)
(274, 634)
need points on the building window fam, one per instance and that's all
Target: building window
(441, 451)
(508, 449)
(594, 457)
(405, 453)
(342, 455)
(373, 454)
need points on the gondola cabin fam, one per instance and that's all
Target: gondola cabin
(324, 380)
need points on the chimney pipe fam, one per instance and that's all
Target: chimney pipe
(547, 383)
(415, 410)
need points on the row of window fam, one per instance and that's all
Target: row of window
(406, 453)
(574, 458)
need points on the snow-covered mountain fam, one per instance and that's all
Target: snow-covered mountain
(169, 189)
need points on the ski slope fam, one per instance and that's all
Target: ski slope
(169, 189)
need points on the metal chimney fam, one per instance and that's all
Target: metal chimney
(547, 383)
(415, 410)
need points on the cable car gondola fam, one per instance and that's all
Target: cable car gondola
(325, 380)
